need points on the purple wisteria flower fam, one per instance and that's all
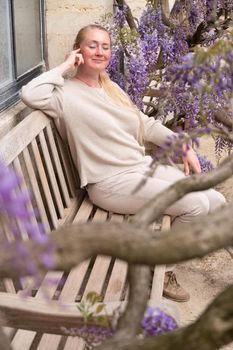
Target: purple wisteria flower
(150, 49)
(146, 22)
(114, 66)
(93, 335)
(205, 163)
(156, 321)
(221, 145)
(159, 24)
(17, 219)
(168, 49)
(201, 83)
(196, 14)
(120, 16)
(193, 85)
(225, 4)
(137, 76)
(180, 42)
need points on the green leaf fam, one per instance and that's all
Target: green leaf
(103, 321)
(81, 307)
(99, 308)
(93, 298)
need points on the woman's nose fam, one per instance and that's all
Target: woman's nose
(99, 50)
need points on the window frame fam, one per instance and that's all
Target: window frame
(9, 94)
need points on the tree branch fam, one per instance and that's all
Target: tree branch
(129, 16)
(211, 331)
(157, 206)
(221, 118)
(134, 244)
(128, 324)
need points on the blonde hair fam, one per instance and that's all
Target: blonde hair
(121, 99)
(112, 89)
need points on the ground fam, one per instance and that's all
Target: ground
(204, 278)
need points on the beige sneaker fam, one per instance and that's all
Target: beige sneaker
(172, 289)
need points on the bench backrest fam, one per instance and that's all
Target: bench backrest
(36, 152)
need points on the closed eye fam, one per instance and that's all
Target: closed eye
(103, 47)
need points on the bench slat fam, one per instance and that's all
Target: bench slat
(23, 339)
(34, 310)
(101, 265)
(118, 276)
(95, 283)
(35, 189)
(159, 271)
(13, 143)
(61, 177)
(67, 162)
(51, 175)
(23, 186)
(45, 185)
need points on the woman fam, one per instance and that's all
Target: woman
(105, 132)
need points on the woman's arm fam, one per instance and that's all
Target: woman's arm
(157, 133)
(45, 91)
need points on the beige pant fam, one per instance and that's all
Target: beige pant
(118, 195)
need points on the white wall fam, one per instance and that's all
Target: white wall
(65, 18)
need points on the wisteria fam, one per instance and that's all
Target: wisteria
(195, 82)
(149, 21)
(120, 16)
(206, 164)
(137, 77)
(149, 47)
(156, 321)
(18, 221)
(180, 43)
(114, 67)
(142, 50)
(93, 335)
(222, 145)
(201, 84)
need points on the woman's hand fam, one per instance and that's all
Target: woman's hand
(72, 60)
(190, 160)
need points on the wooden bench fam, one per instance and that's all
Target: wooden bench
(35, 150)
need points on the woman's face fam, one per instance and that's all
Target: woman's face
(96, 49)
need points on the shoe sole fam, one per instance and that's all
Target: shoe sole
(175, 299)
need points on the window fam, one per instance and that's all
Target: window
(21, 46)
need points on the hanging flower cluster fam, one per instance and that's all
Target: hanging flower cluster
(141, 50)
(18, 222)
(194, 82)
(201, 85)
(156, 321)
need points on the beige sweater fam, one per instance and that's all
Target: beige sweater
(102, 136)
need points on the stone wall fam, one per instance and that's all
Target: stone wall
(65, 18)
